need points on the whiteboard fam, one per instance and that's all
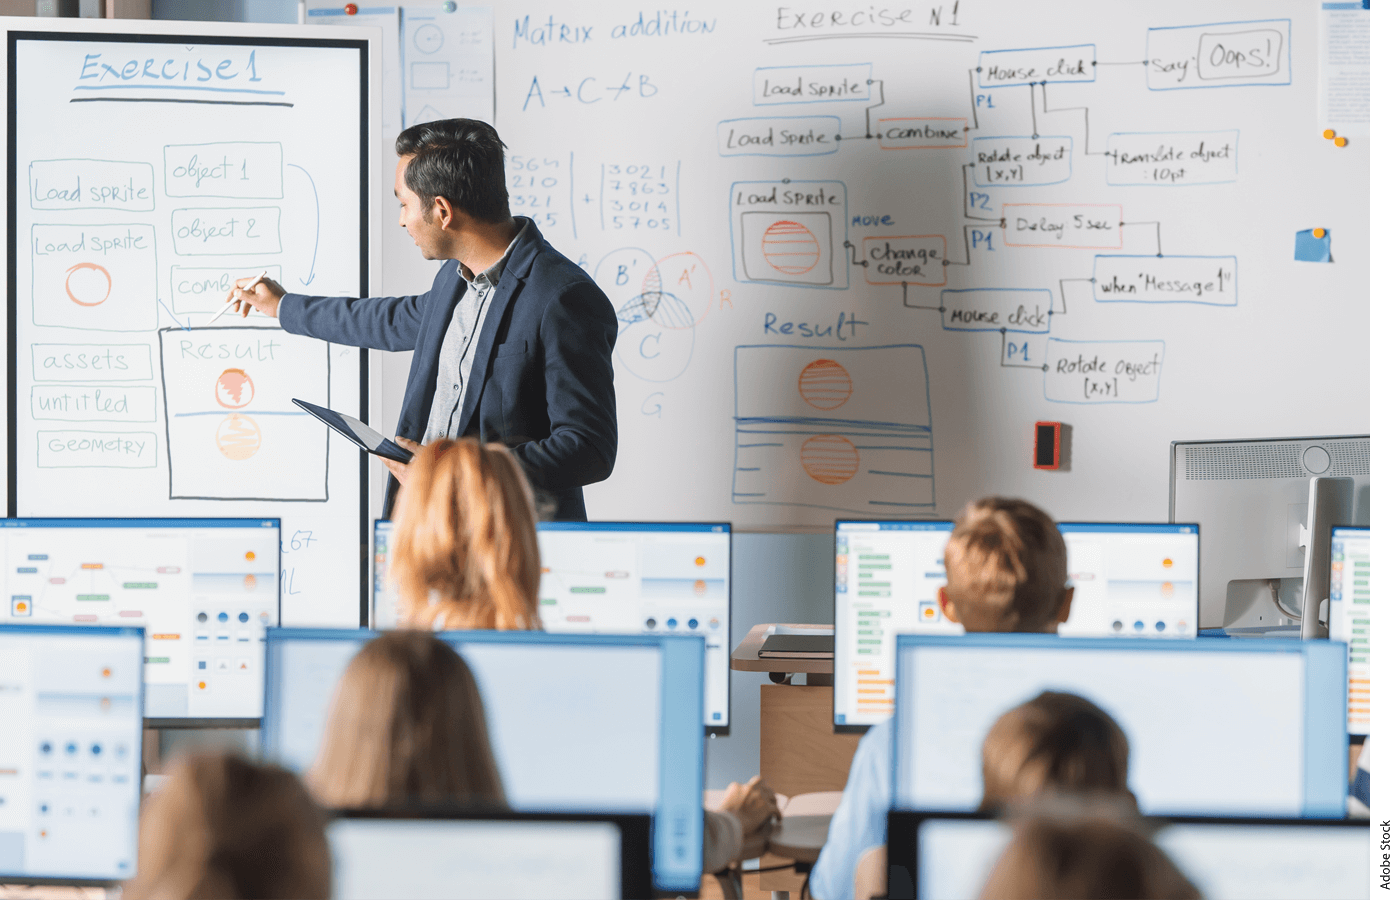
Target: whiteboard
(858, 251)
(150, 165)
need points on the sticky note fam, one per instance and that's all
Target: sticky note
(1307, 248)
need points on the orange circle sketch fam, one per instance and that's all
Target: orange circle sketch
(825, 384)
(87, 286)
(233, 389)
(238, 436)
(791, 248)
(830, 458)
(250, 582)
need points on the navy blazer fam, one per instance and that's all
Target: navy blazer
(542, 379)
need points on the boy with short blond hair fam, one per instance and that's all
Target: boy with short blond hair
(1007, 571)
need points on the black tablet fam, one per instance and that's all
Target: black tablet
(357, 432)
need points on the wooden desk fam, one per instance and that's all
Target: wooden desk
(798, 750)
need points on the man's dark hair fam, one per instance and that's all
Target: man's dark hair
(462, 160)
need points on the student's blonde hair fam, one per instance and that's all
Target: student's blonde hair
(223, 827)
(465, 554)
(1007, 566)
(1084, 858)
(1053, 743)
(406, 727)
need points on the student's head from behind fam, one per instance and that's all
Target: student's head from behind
(407, 726)
(451, 176)
(221, 826)
(1055, 743)
(1007, 568)
(1084, 857)
(465, 553)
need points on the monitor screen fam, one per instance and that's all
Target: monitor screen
(490, 856)
(205, 590)
(1226, 859)
(1130, 579)
(1215, 727)
(1349, 619)
(622, 578)
(612, 722)
(70, 752)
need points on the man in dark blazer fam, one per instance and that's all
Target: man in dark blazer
(512, 343)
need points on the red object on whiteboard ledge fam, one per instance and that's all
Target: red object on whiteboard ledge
(1047, 445)
(351, 9)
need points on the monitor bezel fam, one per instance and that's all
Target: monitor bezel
(835, 601)
(86, 630)
(633, 828)
(903, 831)
(1316, 748)
(171, 723)
(1359, 736)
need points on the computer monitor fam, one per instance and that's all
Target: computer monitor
(70, 753)
(1250, 498)
(578, 721)
(475, 854)
(1350, 620)
(1135, 579)
(205, 591)
(1215, 727)
(622, 578)
(950, 855)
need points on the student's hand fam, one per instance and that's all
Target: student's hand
(755, 806)
(397, 469)
(264, 297)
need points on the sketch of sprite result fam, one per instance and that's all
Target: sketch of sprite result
(232, 432)
(834, 428)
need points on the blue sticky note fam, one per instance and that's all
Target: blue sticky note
(1307, 248)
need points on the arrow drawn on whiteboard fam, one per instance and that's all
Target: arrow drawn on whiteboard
(311, 275)
(185, 326)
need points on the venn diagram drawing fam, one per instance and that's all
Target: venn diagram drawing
(659, 303)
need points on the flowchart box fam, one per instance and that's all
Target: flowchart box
(912, 259)
(1171, 159)
(1220, 54)
(787, 232)
(1103, 371)
(1022, 160)
(1023, 310)
(234, 169)
(777, 85)
(1208, 280)
(227, 232)
(232, 430)
(1036, 65)
(1079, 225)
(91, 184)
(95, 277)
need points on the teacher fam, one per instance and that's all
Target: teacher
(512, 343)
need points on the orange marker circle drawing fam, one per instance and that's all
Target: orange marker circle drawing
(88, 286)
(1340, 142)
(1319, 232)
(1329, 134)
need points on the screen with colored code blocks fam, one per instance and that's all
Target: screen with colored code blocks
(1349, 619)
(70, 752)
(205, 590)
(1129, 579)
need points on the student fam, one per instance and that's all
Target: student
(464, 553)
(1084, 858)
(465, 556)
(221, 826)
(1007, 568)
(406, 726)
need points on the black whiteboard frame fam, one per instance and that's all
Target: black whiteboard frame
(12, 248)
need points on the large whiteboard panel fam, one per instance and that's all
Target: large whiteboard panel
(815, 221)
(147, 171)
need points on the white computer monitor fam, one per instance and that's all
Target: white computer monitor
(578, 722)
(622, 578)
(1350, 619)
(70, 752)
(531, 856)
(1215, 727)
(948, 855)
(205, 591)
(1134, 579)
(1250, 498)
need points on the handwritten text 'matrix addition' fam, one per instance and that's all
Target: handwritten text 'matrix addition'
(659, 23)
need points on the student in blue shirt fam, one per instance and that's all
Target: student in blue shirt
(1007, 571)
